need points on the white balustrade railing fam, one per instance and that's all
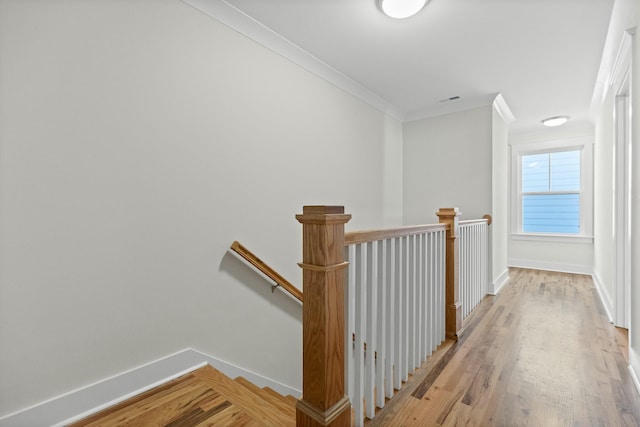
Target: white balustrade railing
(473, 263)
(395, 310)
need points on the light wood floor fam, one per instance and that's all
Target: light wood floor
(202, 398)
(541, 353)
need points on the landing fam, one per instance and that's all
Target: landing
(204, 397)
(541, 353)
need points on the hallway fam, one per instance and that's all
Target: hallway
(540, 353)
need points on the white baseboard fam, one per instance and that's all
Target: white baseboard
(233, 371)
(498, 283)
(634, 367)
(85, 401)
(550, 266)
(605, 298)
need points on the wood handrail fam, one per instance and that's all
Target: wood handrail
(268, 271)
(485, 217)
(357, 237)
(472, 221)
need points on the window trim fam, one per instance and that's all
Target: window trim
(585, 144)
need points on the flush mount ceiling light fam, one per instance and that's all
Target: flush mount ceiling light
(401, 8)
(555, 121)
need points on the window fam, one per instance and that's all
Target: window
(551, 192)
(552, 186)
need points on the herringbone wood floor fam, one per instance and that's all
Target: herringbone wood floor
(204, 397)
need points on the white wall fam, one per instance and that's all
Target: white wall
(499, 229)
(634, 330)
(393, 175)
(447, 163)
(603, 203)
(559, 256)
(626, 15)
(137, 140)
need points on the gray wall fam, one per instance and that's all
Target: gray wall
(138, 139)
(447, 163)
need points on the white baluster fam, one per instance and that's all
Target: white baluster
(349, 306)
(381, 328)
(398, 310)
(441, 302)
(476, 266)
(431, 288)
(411, 314)
(485, 259)
(422, 305)
(404, 313)
(360, 330)
(371, 283)
(391, 298)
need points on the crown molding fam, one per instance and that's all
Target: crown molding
(249, 27)
(453, 107)
(619, 28)
(622, 63)
(503, 109)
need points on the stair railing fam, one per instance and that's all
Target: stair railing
(395, 299)
(474, 263)
(403, 276)
(377, 304)
(266, 270)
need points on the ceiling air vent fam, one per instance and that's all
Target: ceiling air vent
(453, 98)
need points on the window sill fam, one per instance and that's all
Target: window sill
(562, 238)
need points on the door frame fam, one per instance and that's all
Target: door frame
(621, 85)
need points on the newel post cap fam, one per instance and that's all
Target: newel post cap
(448, 212)
(321, 214)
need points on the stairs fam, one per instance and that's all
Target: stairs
(205, 397)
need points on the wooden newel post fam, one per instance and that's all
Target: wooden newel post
(453, 314)
(323, 401)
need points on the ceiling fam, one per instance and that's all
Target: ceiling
(543, 56)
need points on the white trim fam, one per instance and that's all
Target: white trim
(499, 283)
(561, 238)
(550, 266)
(620, 82)
(605, 297)
(84, 401)
(583, 143)
(104, 393)
(503, 109)
(258, 32)
(233, 371)
(634, 367)
(452, 107)
(620, 14)
(622, 62)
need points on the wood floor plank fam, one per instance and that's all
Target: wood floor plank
(275, 399)
(234, 392)
(193, 400)
(231, 416)
(543, 354)
(121, 414)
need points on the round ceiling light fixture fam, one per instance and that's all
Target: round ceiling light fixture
(555, 121)
(400, 9)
